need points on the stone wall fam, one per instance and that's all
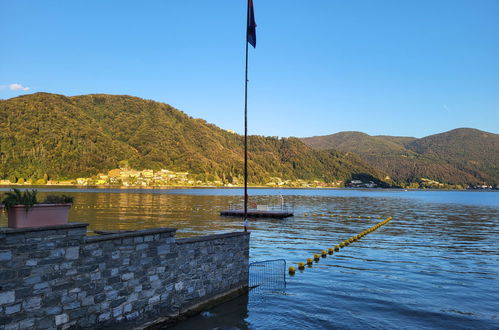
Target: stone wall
(57, 277)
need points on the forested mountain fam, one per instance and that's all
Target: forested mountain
(470, 150)
(460, 156)
(53, 136)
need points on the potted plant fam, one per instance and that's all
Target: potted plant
(23, 209)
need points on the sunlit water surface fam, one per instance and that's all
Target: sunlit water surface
(434, 266)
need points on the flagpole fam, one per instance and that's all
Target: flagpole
(246, 126)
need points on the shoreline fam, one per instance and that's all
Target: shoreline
(180, 187)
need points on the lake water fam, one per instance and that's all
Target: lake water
(434, 266)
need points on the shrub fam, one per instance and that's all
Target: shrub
(16, 197)
(62, 199)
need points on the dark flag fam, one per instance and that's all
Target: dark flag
(251, 31)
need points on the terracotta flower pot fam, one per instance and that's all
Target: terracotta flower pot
(40, 215)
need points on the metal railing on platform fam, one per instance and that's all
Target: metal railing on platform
(263, 207)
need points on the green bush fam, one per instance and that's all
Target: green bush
(63, 199)
(18, 197)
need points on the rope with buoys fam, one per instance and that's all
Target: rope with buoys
(336, 248)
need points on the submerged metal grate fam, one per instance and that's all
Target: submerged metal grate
(268, 275)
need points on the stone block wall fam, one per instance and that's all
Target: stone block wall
(211, 264)
(57, 277)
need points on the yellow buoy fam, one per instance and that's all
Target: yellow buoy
(310, 261)
(323, 253)
(347, 243)
(336, 248)
(301, 265)
(330, 250)
(316, 257)
(342, 245)
(291, 270)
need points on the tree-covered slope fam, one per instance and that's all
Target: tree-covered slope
(66, 137)
(357, 142)
(470, 150)
(45, 134)
(461, 156)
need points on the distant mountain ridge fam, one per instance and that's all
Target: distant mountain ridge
(460, 156)
(45, 135)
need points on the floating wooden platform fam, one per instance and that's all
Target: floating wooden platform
(257, 214)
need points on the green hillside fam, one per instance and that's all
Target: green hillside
(469, 150)
(53, 136)
(460, 156)
(358, 142)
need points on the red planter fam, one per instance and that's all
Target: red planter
(40, 215)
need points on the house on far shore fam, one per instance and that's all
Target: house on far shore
(360, 184)
(82, 181)
(147, 173)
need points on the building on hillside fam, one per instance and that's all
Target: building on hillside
(147, 173)
(82, 181)
(114, 173)
(129, 173)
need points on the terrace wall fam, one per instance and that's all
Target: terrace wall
(57, 277)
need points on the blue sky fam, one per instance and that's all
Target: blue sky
(407, 68)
